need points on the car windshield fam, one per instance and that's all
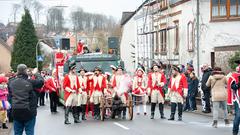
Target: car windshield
(90, 65)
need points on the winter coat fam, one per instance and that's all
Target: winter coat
(193, 87)
(24, 98)
(218, 83)
(205, 77)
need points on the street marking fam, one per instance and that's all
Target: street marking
(120, 125)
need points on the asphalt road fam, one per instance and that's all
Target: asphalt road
(192, 124)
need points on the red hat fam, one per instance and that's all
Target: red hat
(3, 79)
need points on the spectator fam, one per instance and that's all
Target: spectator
(4, 104)
(192, 91)
(24, 100)
(206, 90)
(217, 82)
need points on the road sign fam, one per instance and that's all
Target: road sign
(40, 58)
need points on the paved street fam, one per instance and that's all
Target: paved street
(193, 124)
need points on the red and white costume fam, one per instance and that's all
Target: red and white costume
(52, 85)
(178, 88)
(82, 95)
(71, 87)
(233, 97)
(156, 82)
(98, 85)
(139, 89)
(121, 84)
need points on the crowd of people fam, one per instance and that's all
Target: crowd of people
(83, 91)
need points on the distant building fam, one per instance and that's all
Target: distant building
(5, 55)
(168, 31)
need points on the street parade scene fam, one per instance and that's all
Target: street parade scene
(139, 67)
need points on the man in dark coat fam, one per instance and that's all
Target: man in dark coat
(207, 71)
(24, 100)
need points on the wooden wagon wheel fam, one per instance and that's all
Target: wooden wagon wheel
(102, 108)
(130, 107)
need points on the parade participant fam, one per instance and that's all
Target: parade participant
(156, 82)
(233, 97)
(52, 85)
(82, 96)
(177, 90)
(71, 88)
(139, 89)
(217, 82)
(4, 104)
(80, 47)
(99, 84)
(121, 83)
(89, 89)
(114, 70)
(42, 91)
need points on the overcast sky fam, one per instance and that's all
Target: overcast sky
(107, 7)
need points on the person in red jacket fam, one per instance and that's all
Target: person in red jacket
(99, 85)
(52, 85)
(121, 84)
(177, 91)
(139, 88)
(233, 97)
(82, 96)
(71, 87)
(156, 82)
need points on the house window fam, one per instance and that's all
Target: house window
(156, 43)
(190, 36)
(163, 4)
(176, 46)
(225, 9)
(163, 41)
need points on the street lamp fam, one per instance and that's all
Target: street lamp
(40, 40)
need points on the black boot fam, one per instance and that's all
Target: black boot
(75, 114)
(84, 112)
(67, 110)
(4, 126)
(96, 112)
(180, 110)
(124, 113)
(153, 105)
(173, 110)
(161, 110)
(214, 124)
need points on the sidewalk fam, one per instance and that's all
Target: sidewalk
(199, 112)
(6, 131)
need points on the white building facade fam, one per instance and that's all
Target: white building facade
(170, 33)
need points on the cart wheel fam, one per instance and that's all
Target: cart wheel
(130, 108)
(102, 108)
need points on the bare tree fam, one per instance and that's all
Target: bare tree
(77, 18)
(15, 7)
(38, 7)
(55, 20)
(27, 3)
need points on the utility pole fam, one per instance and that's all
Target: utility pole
(198, 39)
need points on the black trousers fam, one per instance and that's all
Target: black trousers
(53, 101)
(206, 98)
(42, 97)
